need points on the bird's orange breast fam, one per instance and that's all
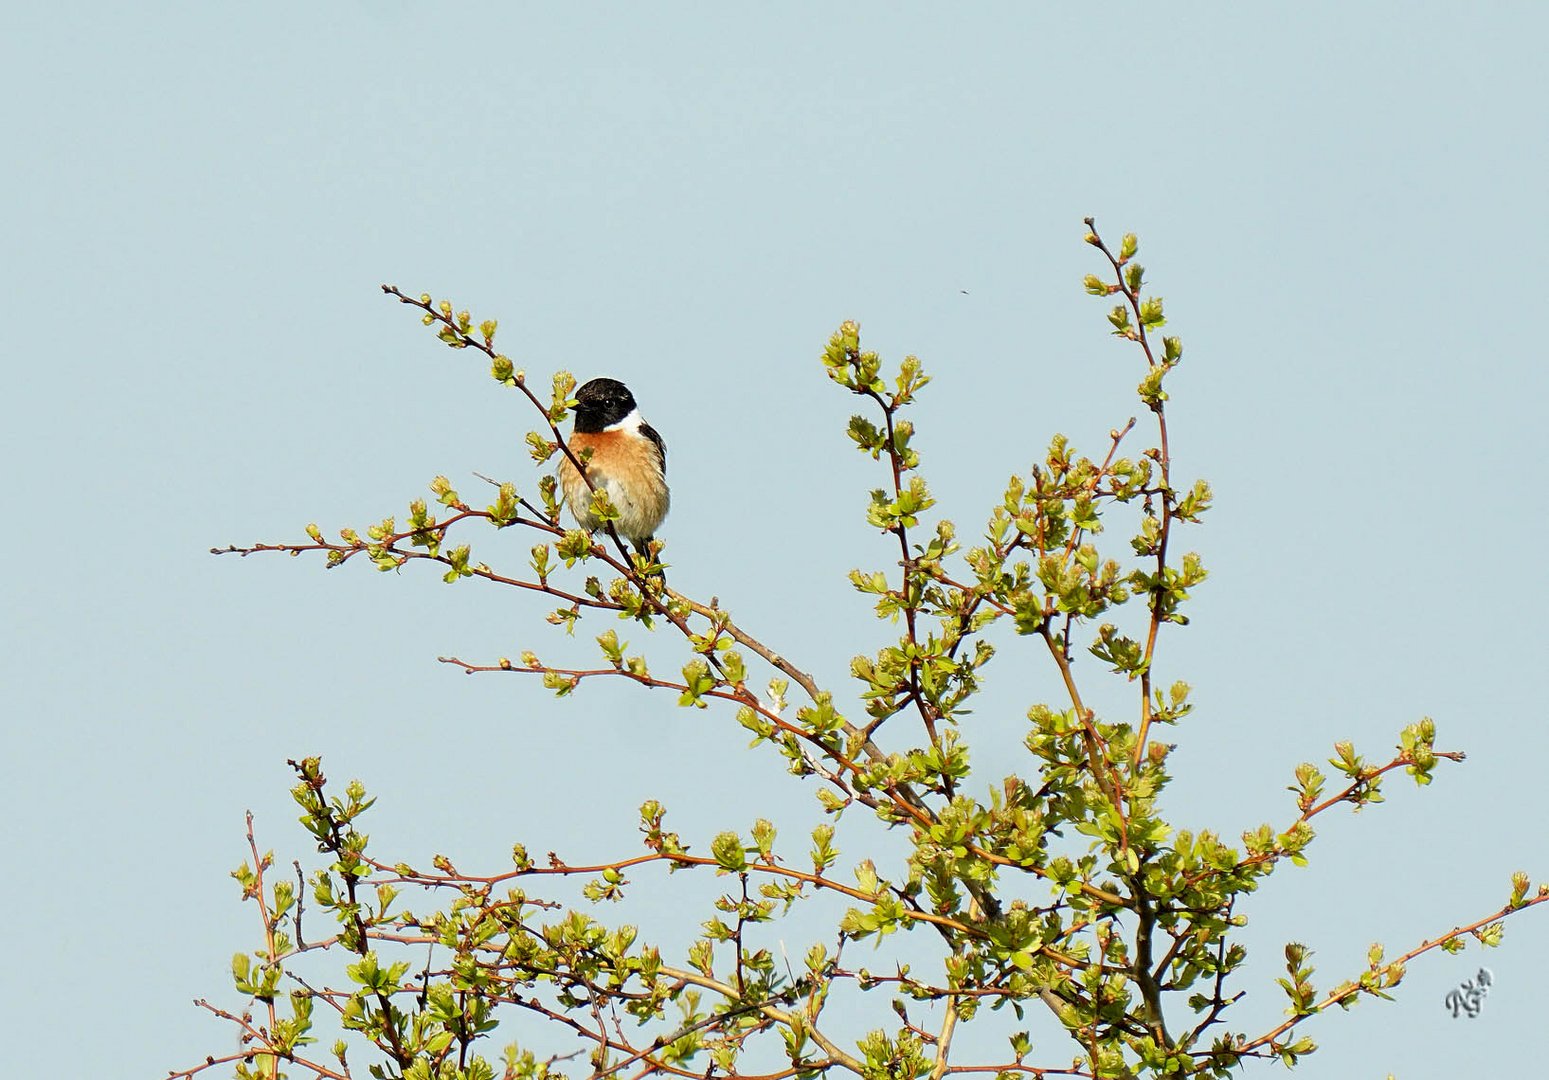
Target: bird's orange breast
(629, 468)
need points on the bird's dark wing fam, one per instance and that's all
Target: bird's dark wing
(656, 440)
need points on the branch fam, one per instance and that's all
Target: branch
(260, 864)
(1164, 461)
(944, 1040)
(250, 1035)
(1348, 990)
(741, 696)
(340, 553)
(910, 592)
(710, 1021)
(752, 644)
(776, 869)
(830, 1048)
(1360, 784)
(468, 341)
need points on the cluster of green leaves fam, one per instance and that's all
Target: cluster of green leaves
(1060, 887)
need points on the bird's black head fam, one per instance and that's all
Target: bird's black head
(602, 403)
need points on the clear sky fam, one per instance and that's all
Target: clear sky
(1344, 205)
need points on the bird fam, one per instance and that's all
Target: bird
(628, 460)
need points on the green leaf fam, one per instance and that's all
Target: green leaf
(728, 852)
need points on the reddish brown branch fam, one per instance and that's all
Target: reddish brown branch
(1349, 990)
(1361, 783)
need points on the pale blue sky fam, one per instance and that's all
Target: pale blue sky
(1343, 204)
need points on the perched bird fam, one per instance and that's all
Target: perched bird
(628, 461)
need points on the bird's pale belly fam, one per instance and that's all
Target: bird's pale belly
(634, 484)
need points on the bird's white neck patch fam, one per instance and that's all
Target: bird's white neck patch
(630, 423)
